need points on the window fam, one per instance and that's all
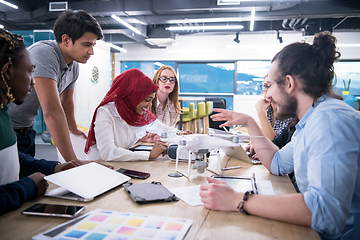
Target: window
(207, 80)
(344, 71)
(250, 75)
(148, 68)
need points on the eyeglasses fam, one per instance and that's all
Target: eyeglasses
(264, 87)
(164, 79)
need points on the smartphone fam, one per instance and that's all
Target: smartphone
(133, 173)
(53, 210)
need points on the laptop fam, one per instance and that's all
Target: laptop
(239, 153)
(243, 137)
(85, 182)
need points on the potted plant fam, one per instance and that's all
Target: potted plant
(346, 88)
(350, 99)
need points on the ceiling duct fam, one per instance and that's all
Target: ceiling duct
(58, 6)
(161, 37)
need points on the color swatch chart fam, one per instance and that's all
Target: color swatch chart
(110, 225)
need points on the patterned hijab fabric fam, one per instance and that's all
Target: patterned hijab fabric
(128, 90)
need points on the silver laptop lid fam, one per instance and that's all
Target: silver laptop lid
(89, 180)
(239, 153)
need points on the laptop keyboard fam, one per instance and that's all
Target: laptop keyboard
(70, 194)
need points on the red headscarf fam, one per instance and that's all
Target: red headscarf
(128, 90)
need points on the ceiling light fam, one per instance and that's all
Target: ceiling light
(225, 27)
(9, 4)
(348, 45)
(252, 20)
(161, 41)
(228, 2)
(117, 47)
(198, 50)
(43, 30)
(124, 23)
(205, 20)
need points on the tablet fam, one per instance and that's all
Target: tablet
(53, 210)
(142, 193)
(240, 184)
(142, 148)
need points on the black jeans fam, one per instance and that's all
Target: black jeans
(26, 141)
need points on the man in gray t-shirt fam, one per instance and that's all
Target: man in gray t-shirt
(55, 73)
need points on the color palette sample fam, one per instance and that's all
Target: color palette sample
(110, 225)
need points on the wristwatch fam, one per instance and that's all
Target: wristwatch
(240, 207)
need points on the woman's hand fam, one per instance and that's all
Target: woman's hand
(150, 137)
(184, 133)
(158, 149)
(261, 106)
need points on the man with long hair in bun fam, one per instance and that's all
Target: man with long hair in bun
(21, 176)
(324, 151)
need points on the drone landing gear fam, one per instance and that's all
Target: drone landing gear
(175, 175)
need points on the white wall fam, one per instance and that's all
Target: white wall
(246, 104)
(87, 94)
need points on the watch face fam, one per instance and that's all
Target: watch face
(95, 75)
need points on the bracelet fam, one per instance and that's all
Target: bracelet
(263, 124)
(57, 163)
(241, 203)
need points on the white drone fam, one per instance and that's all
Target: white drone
(199, 145)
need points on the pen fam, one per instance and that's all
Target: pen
(254, 184)
(228, 168)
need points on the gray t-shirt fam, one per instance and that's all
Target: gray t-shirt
(50, 63)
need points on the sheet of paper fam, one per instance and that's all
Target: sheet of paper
(190, 195)
(265, 187)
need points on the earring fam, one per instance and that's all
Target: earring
(8, 94)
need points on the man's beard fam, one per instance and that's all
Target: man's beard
(287, 108)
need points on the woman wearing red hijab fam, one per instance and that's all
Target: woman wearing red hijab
(123, 117)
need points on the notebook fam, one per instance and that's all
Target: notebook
(85, 182)
(239, 153)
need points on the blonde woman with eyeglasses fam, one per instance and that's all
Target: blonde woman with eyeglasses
(165, 105)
